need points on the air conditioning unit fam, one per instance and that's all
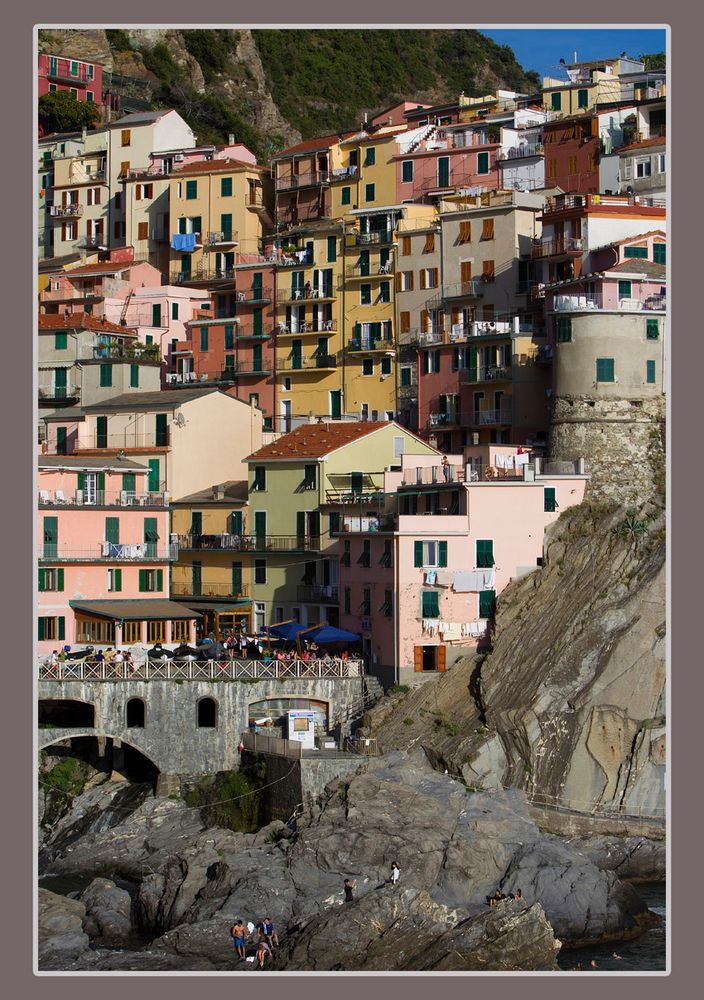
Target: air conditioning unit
(178, 157)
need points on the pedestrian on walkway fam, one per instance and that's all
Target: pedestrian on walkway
(348, 888)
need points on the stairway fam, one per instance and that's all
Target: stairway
(123, 314)
(425, 134)
(352, 712)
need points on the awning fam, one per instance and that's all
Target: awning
(134, 610)
(221, 606)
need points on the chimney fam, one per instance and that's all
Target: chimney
(231, 139)
(218, 492)
(84, 133)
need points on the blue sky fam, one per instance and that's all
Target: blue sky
(542, 48)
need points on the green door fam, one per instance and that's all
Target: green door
(260, 527)
(151, 536)
(487, 603)
(51, 537)
(472, 364)
(364, 262)
(156, 314)
(336, 404)
(129, 483)
(236, 522)
(257, 322)
(197, 579)
(185, 264)
(357, 481)
(162, 431)
(443, 171)
(296, 353)
(154, 479)
(196, 523)
(549, 501)
(485, 553)
(226, 226)
(301, 529)
(61, 441)
(257, 285)
(112, 530)
(60, 382)
(257, 364)
(101, 432)
(314, 529)
(236, 579)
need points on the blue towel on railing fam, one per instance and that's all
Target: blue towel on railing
(183, 241)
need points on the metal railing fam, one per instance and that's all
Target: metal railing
(367, 271)
(382, 237)
(66, 211)
(205, 589)
(295, 258)
(214, 239)
(249, 543)
(550, 248)
(279, 747)
(130, 352)
(456, 290)
(594, 808)
(343, 174)
(294, 364)
(311, 178)
(305, 294)
(590, 302)
(444, 419)
(425, 475)
(170, 668)
(102, 498)
(108, 551)
(310, 326)
(491, 373)
(365, 523)
(128, 439)
(518, 152)
(317, 592)
(57, 392)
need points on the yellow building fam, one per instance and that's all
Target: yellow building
(587, 84)
(215, 208)
(210, 575)
(81, 194)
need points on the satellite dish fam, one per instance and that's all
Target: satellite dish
(180, 420)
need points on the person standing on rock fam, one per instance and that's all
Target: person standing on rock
(239, 932)
(395, 874)
(348, 888)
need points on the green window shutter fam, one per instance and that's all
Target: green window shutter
(226, 225)
(417, 553)
(659, 253)
(365, 294)
(191, 190)
(549, 501)
(431, 604)
(442, 553)
(142, 580)
(182, 230)
(650, 372)
(100, 481)
(369, 192)
(117, 580)
(154, 478)
(605, 369)
(156, 313)
(652, 329)
(151, 535)
(564, 330)
(60, 341)
(487, 603)
(236, 522)
(334, 523)
(105, 375)
(162, 432)
(204, 338)
(40, 628)
(482, 163)
(258, 322)
(346, 196)
(485, 553)
(134, 376)
(42, 580)
(556, 101)
(112, 530)
(624, 289)
(237, 578)
(641, 252)
(473, 364)
(582, 98)
(197, 224)
(405, 376)
(301, 524)
(407, 171)
(160, 579)
(174, 310)
(82, 481)
(257, 362)
(225, 187)
(260, 523)
(61, 631)
(229, 336)
(129, 482)
(101, 432)
(60, 579)
(370, 156)
(332, 249)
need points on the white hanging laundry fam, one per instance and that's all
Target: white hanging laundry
(522, 459)
(430, 576)
(445, 577)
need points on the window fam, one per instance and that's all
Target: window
(191, 190)
(487, 603)
(135, 715)
(114, 580)
(429, 243)
(430, 604)
(134, 376)
(348, 600)
(605, 370)
(310, 477)
(105, 376)
(367, 366)
(118, 196)
(204, 339)
(564, 330)
(488, 270)
(365, 558)
(430, 554)
(386, 366)
(74, 93)
(404, 282)
(332, 249)
(174, 310)
(650, 372)
(385, 291)
(225, 187)
(652, 329)
(429, 277)
(51, 628)
(260, 570)
(345, 558)
(555, 101)
(345, 194)
(125, 137)
(370, 156)
(143, 231)
(151, 580)
(624, 289)
(131, 633)
(365, 295)
(387, 607)
(60, 341)
(659, 253)
(259, 481)
(549, 501)
(582, 98)
(487, 229)
(482, 163)
(643, 167)
(387, 557)
(484, 553)
(52, 88)
(641, 252)
(552, 168)
(51, 579)
(465, 233)
(229, 336)
(406, 376)
(405, 246)
(407, 171)
(369, 192)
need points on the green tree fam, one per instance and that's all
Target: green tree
(60, 112)
(654, 61)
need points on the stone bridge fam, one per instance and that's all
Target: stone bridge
(186, 726)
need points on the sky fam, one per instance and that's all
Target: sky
(542, 48)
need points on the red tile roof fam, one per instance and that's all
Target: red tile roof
(636, 265)
(324, 142)
(317, 440)
(213, 166)
(81, 321)
(656, 140)
(105, 267)
(640, 236)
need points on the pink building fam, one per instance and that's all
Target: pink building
(434, 160)
(422, 564)
(84, 80)
(104, 557)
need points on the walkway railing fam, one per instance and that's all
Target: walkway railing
(279, 747)
(195, 670)
(598, 809)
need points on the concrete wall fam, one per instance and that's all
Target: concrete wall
(293, 782)
(171, 737)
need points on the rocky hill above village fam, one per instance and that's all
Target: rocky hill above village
(273, 87)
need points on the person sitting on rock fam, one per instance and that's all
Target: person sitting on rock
(496, 898)
(263, 952)
(266, 930)
(517, 895)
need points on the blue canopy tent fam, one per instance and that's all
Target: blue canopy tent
(324, 634)
(285, 630)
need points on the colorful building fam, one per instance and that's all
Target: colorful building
(588, 84)
(82, 80)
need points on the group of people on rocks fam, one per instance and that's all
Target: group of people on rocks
(499, 895)
(348, 886)
(242, 934)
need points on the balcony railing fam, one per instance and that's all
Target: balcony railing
(444, 419)
(125, 441)
(382, 237)
(311, 178)
(109, 552)
(295, 258)
(296, 363)
(368, 344)
(319, 592)
(429, 475)
(205, 589)
(131, 352)
(229, 374)
(103, 498)
(489, 373)
(66, 211)
(343, 174)
(310, 326)
(552, 248)
(457, 290)
(368, 271)
(57, 392)
(169, 668)
(286, 295)
(254, 295)
(364, 523)
(222, 238)
(519, 152)
(483, 418)
(250, 543)
(63, 73)
(94, 242)
(592, 302)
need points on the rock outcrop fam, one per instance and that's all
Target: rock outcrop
(61, 935)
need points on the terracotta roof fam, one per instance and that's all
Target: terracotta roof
(636, 265)
(324, 142)
(105, 267)
(158, 399)
(656, 140)
(234, 491)
(81, 321)
(317, 440)
(214, 166)
(634, 239)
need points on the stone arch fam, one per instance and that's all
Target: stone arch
(68, 713)
(136, 713)
(133, 758)
(207, 712)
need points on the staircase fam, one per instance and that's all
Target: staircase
(425, 134)
(346, 717)
(123, 314)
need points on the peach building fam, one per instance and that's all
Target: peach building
(104, 556)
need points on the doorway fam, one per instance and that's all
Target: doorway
(429, 659)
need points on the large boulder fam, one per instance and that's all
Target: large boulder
(61, 935)
(108, 913)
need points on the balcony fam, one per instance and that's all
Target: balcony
(444, 419)
(365, 524)
(205, 589)
(342, 174)
(433, 475)
(520, 152)
(180, 245)
(311, 178)
(295, 258)
(202, 276)
(321, 362)
(557, 247)
(597, 302)
(383, 237)
(286, 296)
(491, 373)
(61, 72)
(457, 290)
(103, 498)
(128, 440)
(353, 271)
(489, 418)
(66, 211)
(319, 593)
(367, 345)
(94, 242)
(249, 543)
(58, 393)
(128, 352)
(314, 326)
(216, 241)
(109, 552)
(255, 295)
